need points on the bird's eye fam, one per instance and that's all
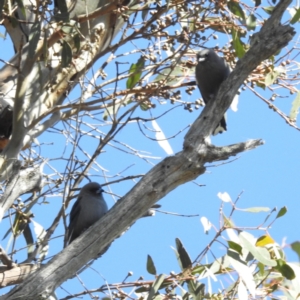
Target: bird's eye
(95, 190)
(98, 191)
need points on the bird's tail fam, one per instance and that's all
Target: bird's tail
(221, 127)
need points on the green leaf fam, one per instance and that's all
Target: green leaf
(282, 212)
(219, 264)
(235, 8)
(261, 254)
(249, 257)
(111, 111)
(150, 265)
(238, 45)
(268, 9)
(287, 272)
(295, 107)
(34, 37)
(7, 233)
(68, 28)
(296, 247)
(158, 297)
(272, 76)
(171, 75)
(21, 6)
(285, 269)
(261, 268)
(261, 85)
(144, 106)
(236, 256)
(243, 270)
(142, 289)
(18, 225)
(228, 222)
(251, 22)
(196, 289)
(256, 209)
(184, 258)
(76, 40)
(66, 54)
(296, 16)
(145, 11)
(135, 73)
(29, 240)
(198, 269)
(155, 286)
(235, 246)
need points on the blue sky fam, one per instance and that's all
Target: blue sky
(267, 176)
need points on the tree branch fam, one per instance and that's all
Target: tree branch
(272, 37)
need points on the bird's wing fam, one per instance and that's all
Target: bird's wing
(75, 210)
(74, 215)
(228, 71)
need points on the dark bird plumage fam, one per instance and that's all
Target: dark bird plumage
(6, 121)
(89, 207)
(211, 71)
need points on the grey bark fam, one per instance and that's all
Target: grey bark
(33, 88)
(21, 182)
(25, 82)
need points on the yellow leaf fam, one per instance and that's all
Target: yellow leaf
(264, 240)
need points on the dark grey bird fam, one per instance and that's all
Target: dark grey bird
(89, 207)
(211, 71)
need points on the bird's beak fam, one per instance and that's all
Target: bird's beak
(200, 59)
(100, 191)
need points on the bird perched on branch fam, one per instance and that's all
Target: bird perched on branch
(211, 71)
(89, 207)
(6, 120)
